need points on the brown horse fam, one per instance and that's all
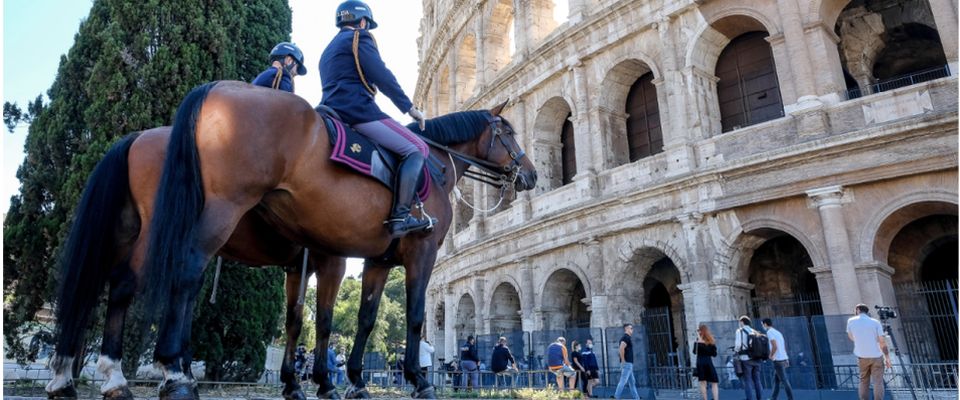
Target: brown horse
(235, 148)
(252, 242)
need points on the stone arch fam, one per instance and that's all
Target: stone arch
(505, 308)
(903, 238)
(466, 317)
(716, 33)
(742, 243)
(616, 86)
(647, 251)
(443, 91)
(881, 42)
(466, 68)
(563, 299)
(499, 35)
(546, 142)
(873, 243)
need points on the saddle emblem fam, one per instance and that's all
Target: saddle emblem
(356, 148)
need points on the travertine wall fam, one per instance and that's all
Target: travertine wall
(841, 177)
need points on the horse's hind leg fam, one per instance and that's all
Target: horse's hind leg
(374, 280)
(293, 326)
(123, 285)
(329, 275)
(217, 222)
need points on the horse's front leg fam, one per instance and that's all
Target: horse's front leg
(293, 326)
(418, 269)
(330, 272)
(374, 280)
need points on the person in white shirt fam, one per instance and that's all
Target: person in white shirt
(426, 357)
(871, 349)
(751, 368)
(778, 354)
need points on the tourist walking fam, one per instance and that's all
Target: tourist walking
(470, 363)
(748, 344)
(706, 349)
(871, 350)
(591, 367)
(778, 354)
(626, 364)
(558, 361)
(575, 363)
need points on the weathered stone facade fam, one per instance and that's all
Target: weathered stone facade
(842, 197)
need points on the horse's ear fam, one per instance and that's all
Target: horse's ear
(498, 109)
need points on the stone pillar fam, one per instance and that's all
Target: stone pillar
(702, 109)
(828, 294)
(599, 313)
(945, 16)
(822, 46)
(580, 9)
(479, 21)
(876, 285)
(583, 137)
(481, 303)
(527, 297)
(697, 301)
(611, 124)
(799, 59)
(784, 67)
(728, 300)
(449, 325)
(829, 202)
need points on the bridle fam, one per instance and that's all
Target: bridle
(498, 176)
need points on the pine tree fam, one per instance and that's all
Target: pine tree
(130, 65)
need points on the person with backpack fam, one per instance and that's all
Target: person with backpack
(753, 348)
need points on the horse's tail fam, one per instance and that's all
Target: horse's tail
(90, 250)
(177, 205)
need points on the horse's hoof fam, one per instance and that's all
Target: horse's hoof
(120, 393)
(425, 393)
(357, 393)
(179, 391)
(295, 394)
(331, 394)
(68, 392)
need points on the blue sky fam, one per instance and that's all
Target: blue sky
(36, 33)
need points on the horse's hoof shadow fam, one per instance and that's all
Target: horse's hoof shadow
(68, 392)
(331, 394)
(120, 393)
(179, 391)
(357, 393)
(425, 393)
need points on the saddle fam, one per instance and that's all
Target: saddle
(355, 151)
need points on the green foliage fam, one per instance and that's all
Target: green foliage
(389, 332)
(130, 65)
(232, 334)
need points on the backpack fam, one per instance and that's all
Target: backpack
(758, 346)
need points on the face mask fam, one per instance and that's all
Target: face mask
(589, 346)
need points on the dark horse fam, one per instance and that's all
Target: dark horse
(234, 149)
(107, 207)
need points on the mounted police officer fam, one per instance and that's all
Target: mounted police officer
(352, 73)
(286, 62)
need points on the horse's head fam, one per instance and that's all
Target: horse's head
(498, 145)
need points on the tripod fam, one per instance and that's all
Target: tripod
(896, 351)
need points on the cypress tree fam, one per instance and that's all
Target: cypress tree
(129, 67)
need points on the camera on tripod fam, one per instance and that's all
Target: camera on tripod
(885, 313)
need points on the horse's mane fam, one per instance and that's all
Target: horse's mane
(454, 128)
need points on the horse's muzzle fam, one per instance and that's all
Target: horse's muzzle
(526, 180)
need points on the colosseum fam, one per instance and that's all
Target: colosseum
(701, 160)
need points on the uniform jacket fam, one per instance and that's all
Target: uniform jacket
(342, 88)
(277, 78)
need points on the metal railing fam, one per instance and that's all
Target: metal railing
(899, 82)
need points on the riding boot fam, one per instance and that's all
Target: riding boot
(401, 222)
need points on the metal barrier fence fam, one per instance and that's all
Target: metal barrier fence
(899, 82)
(927, 381)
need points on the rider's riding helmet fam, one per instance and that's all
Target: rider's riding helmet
(350, 12)
(284, 49)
